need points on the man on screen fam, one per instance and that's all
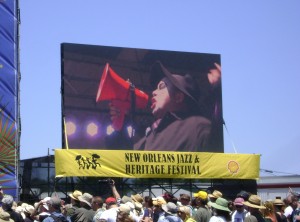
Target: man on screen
(179, 124)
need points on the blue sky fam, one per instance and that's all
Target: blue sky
(259, 43)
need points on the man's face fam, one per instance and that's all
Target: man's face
(161, 101)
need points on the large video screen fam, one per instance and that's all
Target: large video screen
(116, 98)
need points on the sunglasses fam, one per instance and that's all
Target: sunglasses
(238, 206)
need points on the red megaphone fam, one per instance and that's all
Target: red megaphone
(113, 87)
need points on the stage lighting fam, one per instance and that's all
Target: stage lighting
(92, 129)
(71, 128)
(109, 130)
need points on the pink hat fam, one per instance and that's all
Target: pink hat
(239, 201)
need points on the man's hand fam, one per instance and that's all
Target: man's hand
(214, 75)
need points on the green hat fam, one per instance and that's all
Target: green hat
(220, 204)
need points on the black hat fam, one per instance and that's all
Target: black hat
(185, 83)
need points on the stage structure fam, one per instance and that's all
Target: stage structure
(112, 99)
(9, 97)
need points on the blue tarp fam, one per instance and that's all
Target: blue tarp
(8, 95)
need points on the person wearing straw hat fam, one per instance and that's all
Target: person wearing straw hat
(5, 217)
(202, 214)
(157, 207)
(74, 201)
(254, 206)
(278, 207)
(84, 213)
(221, 210)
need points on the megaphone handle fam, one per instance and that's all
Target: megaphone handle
(122, 107)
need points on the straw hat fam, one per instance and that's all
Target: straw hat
(254, 202)
(137, 198)
(278, 202)
(75, 195)
(215, 194)
(5, 217)
(158, 201)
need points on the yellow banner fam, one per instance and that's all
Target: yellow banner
(155, 164)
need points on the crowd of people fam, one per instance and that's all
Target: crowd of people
(201, 207)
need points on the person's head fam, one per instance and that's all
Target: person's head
(54, 204)
(123, 214)
(7, 202)
(74, 197)
(239, 204)
(110, 202)
(148, 201)
(169, 197)
(97, 202)
(185, 199)
(254, 204)
(294, 202)
(220, 207)
(157, 204)
(170, 208)
(278, 204)
(174, 93)
(184, 212)
(269, 208)
(243, 194)
(201, 198)
(86, 200)
(214, 196)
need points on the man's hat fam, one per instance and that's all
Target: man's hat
(186, 84)
(254, 202)
(86, 198)
(170, 208)
(110, 200)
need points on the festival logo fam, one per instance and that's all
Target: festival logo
(233, 166)
(88, 162)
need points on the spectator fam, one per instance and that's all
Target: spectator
(202, 214)
(74, 201)
(97, 205)
(254, 207)
(170, 213)
(240, 212)
(7, 202)
(184, 212)
(278, 207)
(84, 213)
(54, 205)
(221, 211)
